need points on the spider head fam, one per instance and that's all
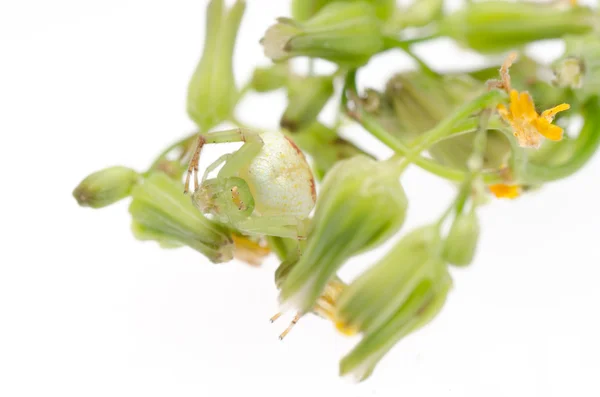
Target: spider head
(228, 199)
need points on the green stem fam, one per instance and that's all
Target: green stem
(392, 42)
(429, 165)
(444, 128)
(475, 163)
(587, 143)
(441, 131)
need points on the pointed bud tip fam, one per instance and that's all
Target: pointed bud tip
(276, 40)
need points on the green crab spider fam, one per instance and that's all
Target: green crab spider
(264, 188)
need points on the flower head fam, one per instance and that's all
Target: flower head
(528, 126)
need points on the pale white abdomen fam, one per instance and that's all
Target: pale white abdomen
(280, 179)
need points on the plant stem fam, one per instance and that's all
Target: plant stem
(404, 45)
(587, 143)
(441, 131)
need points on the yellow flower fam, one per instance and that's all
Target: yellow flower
(505, 191)
(527, 125)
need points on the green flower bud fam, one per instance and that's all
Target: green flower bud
(419, 309)
(305, 9)
(212, 93)
(361, 204)
(419, 13)
(420, 101)
(306, 98)
(569, 72)
(161, 212)
(461, 243)
(375, 296)
(497, 26)
(270, 78)
(345, 33)
(325, 147)
(105, 187)
(579, 68)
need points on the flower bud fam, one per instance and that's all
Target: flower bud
(105, 187)
(305, 9)
(270, 78)
(461, 243)
(419, 13)
(212, 93)
(569, 72)
(345, 33)
(423, 304)
(161, 212)
(361, 204)
(306, 98)
(579, 68)
(497, 26)
(375, 296)
(420, 101)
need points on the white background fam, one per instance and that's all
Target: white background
(86, 310)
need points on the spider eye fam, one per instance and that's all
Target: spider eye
(240, 199)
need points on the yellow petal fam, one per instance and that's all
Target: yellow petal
(552, 132)
(550, 113)
(515, 106)
(527, 106)
(505, 191)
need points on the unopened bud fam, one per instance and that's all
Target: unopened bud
(305, 9)
(361, 204)
(497, 26)
(105, 187)
(345, 33)
(421, 306)
(579, 69)
(306, 98)
(270, 78)
(419, 13)
(420, 101)
(212, 93)
(569, 73)
(461, 243)
(376, 295)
